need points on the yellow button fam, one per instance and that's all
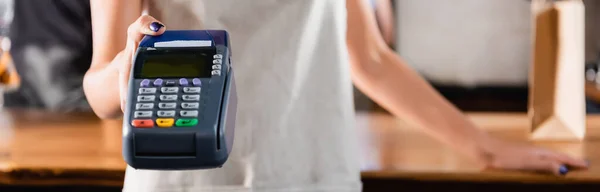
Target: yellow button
(163, 122)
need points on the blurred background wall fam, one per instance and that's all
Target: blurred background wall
(474, 42)
(466, 42)
(476, 52)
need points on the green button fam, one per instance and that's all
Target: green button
(186, 122)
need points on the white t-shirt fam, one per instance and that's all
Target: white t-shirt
(295, 126)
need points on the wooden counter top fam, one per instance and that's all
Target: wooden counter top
(38, 148)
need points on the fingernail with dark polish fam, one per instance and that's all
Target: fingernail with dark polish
(563, 170)
(155, 26)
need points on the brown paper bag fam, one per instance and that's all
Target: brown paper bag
(556, 100)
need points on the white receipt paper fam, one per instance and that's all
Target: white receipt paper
(188, 43)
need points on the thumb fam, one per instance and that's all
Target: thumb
(144, 25)
(124, 71)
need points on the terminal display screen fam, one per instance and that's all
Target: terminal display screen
(176, 65)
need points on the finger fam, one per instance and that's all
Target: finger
(144, 25)
(548, 166)
(565, 159)
(570, 161)
(124, 92)
(124, 72)
(123, 79)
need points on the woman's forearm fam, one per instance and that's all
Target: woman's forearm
(403, 92)
(101, 88)
(110, 21)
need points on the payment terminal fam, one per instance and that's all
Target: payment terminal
(181, 106)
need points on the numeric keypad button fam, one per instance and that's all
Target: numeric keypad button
(169, 89)
(191, 89)
(191, 97)
(190, 105)
(142, 123)
(168, 97)
(147, 90)
(165, 113)
(144, 106)
(142, 114)
(146, 98)
(167, 105)
(188, 113)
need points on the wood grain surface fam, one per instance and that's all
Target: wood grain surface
(44, 148)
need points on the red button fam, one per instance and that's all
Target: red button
(143, 123)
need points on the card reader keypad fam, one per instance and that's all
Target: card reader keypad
(168, 97)
(167, 90)
(167, 103)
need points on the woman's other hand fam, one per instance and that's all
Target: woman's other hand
(513, 156)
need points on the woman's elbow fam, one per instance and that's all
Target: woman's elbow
(368, 63)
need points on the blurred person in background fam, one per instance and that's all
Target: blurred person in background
(51, 46)
(295, 62)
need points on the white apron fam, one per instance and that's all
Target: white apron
(295, 126)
